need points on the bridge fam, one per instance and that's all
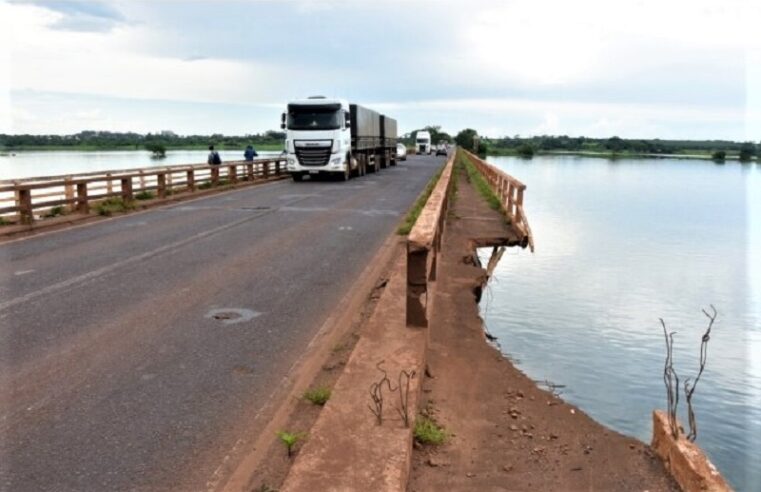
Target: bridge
(137, 351)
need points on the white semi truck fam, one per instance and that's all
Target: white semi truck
(335, 137)
(423, 142)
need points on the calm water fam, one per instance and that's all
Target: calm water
(618, 245)
(49, 163)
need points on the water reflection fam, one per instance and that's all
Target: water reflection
(49, 163)
(618, 245)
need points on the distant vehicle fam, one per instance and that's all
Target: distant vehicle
(441, 149)
(334, 137)
(423, 142)
(401, 152)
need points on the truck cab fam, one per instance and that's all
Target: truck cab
(423, 142)
(318, 137)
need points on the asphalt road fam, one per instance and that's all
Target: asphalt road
(116, 373)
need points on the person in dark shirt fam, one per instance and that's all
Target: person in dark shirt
(250, 153)
(214, 158)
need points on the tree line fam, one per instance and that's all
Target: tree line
(130, 140)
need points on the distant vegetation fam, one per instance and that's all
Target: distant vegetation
(155, 142)
(616, 146)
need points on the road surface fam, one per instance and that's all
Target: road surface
(133, 350)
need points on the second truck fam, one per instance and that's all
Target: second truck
(333, 136)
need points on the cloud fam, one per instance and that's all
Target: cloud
(80, 15)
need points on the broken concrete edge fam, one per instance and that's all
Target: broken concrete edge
(686, 462)
(65, 221)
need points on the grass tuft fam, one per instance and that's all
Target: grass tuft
(113, 205)
(427, 431)
(479, 182)
(55, 211)
(144, 195)
(289, 440)
(318, 396)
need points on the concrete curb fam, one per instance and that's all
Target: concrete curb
(686, 462)
(347, 449)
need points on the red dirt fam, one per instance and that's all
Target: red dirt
(506, 433)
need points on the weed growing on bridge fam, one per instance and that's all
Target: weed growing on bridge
(4, 222)
(144, 195)
(289, 440)
(414, 213)
(113, 205)
(205, 185)
(318, 396)
(479, 182)
(55, 212)
(427, 431)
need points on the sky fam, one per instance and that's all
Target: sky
(632, 68)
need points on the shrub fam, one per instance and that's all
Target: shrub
(56, 211)
(719, 155)
(289, 440)
(525, 150)
(427, 431)
(318, 396)
(111, 205)
(144, 195)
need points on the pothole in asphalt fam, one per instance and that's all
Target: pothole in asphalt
(231, 316)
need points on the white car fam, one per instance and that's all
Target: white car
(401, 152)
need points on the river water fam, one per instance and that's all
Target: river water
(620, 243)
(51, 163)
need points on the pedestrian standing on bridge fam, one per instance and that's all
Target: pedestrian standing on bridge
(250, 153)
(214, 158)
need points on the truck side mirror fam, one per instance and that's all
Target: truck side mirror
(282, 121)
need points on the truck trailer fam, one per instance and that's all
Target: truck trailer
(333, 136)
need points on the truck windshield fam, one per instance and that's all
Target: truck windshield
(314, 119)
(422, 140)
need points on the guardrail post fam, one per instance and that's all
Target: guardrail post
(24, 204)
(68, 191)
(232, 173)
(250, 172)
(82, 201)
(191, 179)
(277, 168)
(142, 181)
(161, 182)
(417, 285)
(126, 189)
(510, 202)
(266, 169)
(214, 175)
(109, 185)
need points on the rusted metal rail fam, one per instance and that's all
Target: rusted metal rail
(510, 193)
(424, 246)
(32, 196)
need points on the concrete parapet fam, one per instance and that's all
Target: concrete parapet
(347, 449)
(686, 462)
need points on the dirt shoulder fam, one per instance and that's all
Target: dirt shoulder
(506, 433)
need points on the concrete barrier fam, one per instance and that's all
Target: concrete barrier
(423, 246)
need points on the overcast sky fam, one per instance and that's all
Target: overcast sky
(666, 68)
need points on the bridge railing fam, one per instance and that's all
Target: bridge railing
(26, 199)
(510, 193)
(424, 246)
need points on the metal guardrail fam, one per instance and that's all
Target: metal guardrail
(510, 193)
(424, 246)
(77, 192)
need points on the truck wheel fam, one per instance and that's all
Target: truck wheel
(346, 175)
(297, 176)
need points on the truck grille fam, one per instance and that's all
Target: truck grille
(313, 156)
